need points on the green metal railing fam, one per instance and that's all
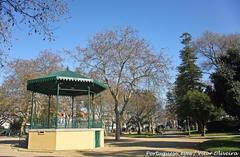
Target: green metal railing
(44, 123)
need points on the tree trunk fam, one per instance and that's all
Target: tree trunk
(149, 126)
(153, 128)
(118, 131)
(188, 127)
(199, 127)
(22, 129)
(203, 129)
(139, 128)
(120, 126)
(196, 126)
(112, 126)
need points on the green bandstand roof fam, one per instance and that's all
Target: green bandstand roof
(70, 84)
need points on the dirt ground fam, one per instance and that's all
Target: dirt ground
(124, 147)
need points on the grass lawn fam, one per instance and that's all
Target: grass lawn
(225, 144)
(193, 134)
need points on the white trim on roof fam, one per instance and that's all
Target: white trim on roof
(74, 79)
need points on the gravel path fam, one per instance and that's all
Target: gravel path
(125, 147)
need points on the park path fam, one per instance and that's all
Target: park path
(125, 147)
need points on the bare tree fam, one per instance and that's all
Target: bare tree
(108, 108)
(212, 45)
(123, 61)
(15, 84)
(5, 106)
(143, 105)
(37, 15)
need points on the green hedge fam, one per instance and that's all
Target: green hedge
(224, 126)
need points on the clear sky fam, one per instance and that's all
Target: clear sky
(161, 22)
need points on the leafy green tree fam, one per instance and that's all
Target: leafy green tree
(200, 108)
(189, 75)
(170, 107)
(226, 80)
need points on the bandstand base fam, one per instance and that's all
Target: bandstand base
(65, 139)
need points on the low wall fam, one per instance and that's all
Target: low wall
(64, 139)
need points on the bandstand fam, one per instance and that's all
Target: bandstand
(56, 129)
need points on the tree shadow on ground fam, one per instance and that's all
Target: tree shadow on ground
(232, 145)
(50, 155)
(157, 144)
(134, 153)
(203, 137)
(124, 153)
(147, 146)
(159, 136)
(20, 143)
(6, 141)
(121, 140)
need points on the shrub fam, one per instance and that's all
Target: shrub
(223, 126)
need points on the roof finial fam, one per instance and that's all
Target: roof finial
(67, 68)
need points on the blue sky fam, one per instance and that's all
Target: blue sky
(158, 21)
